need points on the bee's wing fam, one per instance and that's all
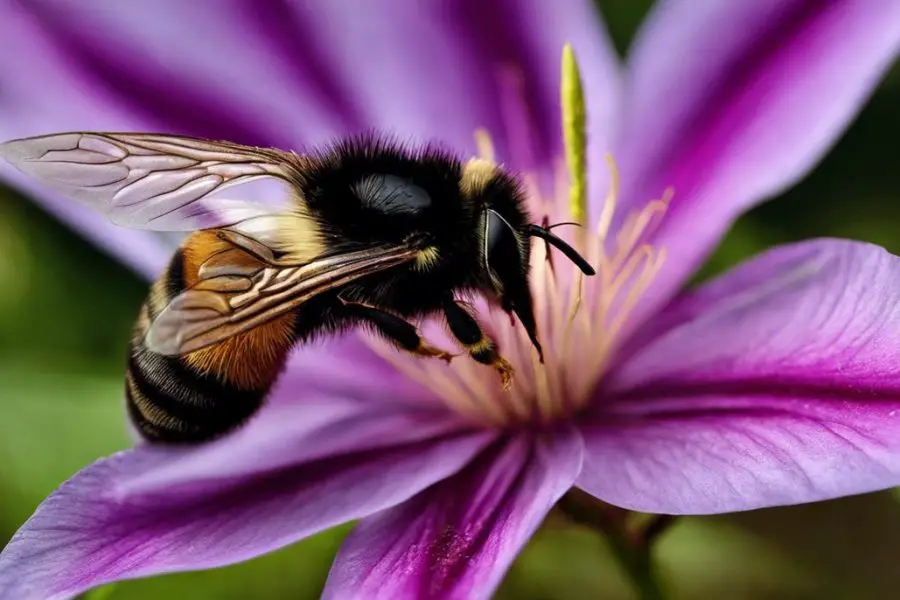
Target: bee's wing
(149, 181)
(230, 298)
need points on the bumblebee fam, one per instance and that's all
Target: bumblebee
(367, 232)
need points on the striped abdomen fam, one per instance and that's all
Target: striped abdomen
(198, 396)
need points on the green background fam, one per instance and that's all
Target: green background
(65, 314)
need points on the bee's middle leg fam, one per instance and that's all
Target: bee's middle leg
(396, 329)
(479, 345)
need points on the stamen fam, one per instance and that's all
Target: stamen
(652, 265)
(544, 403)
(473, 386)
(631, 264)
(636, 225)
(575, 306)
(485, 145)
(609, 204)
(578, 319)
(574, 132)
(453, 391)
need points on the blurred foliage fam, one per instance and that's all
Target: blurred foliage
(65, 314)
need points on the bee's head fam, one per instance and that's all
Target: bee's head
(505, 246)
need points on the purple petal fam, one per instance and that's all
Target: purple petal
(457, 539)
(47, 87)
(292, 75)
(442, 69)
(166, 66)
(775, 384)
(732, 102)
(329, 402)
(346, 366)
(118, 520)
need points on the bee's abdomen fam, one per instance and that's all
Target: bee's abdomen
(206, 393)
(169, 401)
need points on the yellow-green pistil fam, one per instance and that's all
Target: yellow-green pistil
(574, 133)
(579, 319)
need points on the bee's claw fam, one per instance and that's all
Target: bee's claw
(505, 370)
(427, 350)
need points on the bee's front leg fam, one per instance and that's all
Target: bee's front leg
(478, 344)
(398, 330)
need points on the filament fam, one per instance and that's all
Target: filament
(579, 319)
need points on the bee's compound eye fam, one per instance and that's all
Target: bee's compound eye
(503, 255)
(392, 194)
(509, 273)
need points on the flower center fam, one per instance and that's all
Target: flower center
(579, 319)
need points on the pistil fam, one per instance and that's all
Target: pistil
(579, 319)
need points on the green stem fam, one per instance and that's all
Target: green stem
(633, 549)
(637, 561)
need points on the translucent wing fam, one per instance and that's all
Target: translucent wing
(230, 299)
(150, 181)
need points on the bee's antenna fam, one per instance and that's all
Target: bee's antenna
(545, 234)
(545, 226)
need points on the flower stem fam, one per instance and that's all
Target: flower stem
(638, 565)
(632, 546)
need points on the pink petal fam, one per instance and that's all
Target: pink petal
(775, 384)
(458, 538)
(732, 102)
(118, 519)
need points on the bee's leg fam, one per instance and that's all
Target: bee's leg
(401, 332)
(478, 344)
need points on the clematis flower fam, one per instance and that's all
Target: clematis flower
(773, 384)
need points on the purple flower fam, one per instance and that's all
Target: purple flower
(773, 384)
